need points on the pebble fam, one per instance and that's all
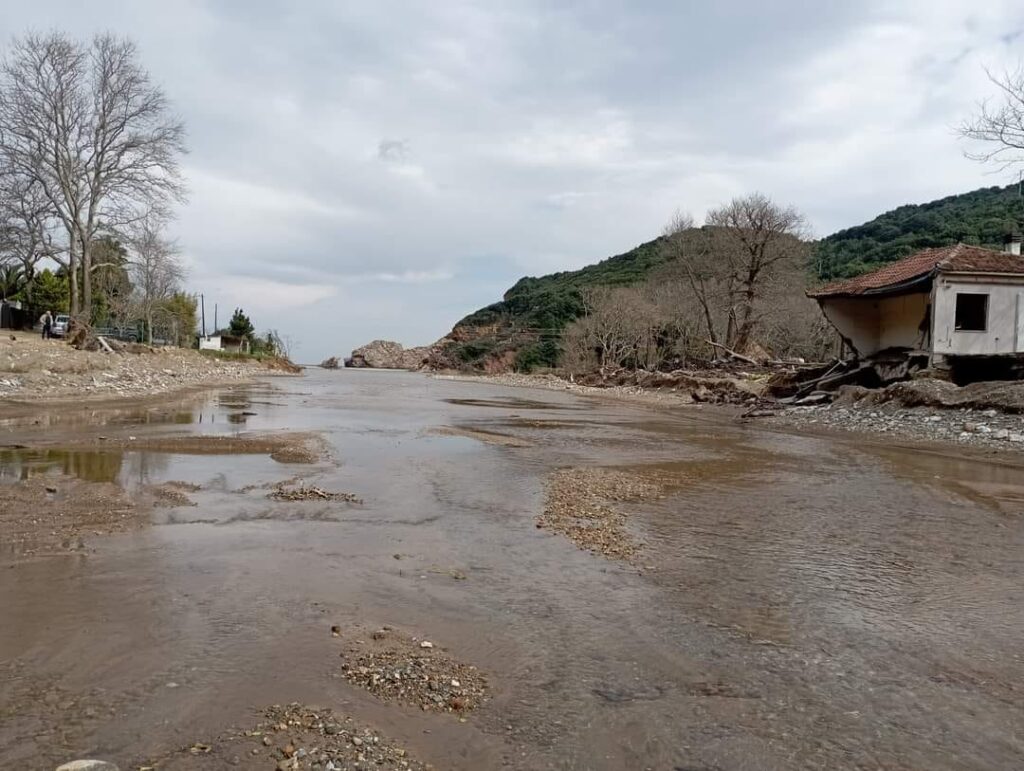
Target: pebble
(426, 644)
(87, 765)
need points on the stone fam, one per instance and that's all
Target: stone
(426, 644)
(1015, 437)
(1002, 433)
(87, 765)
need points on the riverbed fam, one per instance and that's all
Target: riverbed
(789, 601)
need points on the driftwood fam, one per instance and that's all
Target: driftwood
(104, 344)
(739, 356)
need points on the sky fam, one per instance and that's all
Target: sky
(378, 170)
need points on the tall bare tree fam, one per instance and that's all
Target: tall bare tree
(998, 126)
(87, 125)
(754, 239)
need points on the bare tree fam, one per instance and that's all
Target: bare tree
(621, 328)
(754, 239)
(156, 273)
(86, 125)
(999, 126)
(693, 261)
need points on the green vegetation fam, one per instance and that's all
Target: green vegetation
(240, 325)
(983, 217)
(50, 291)
(533, 313)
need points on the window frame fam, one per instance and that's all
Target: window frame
(956, 308)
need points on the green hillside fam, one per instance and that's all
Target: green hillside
(522, 330)
(981, 217)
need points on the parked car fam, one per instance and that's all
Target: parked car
(59, 328)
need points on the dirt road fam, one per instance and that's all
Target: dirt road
(442, 587)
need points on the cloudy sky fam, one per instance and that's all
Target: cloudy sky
(362, 170)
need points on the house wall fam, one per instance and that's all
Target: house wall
(1005, 329)
(872, 325)
(901, 320)
(211, 343)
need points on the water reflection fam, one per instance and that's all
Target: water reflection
(125, 468)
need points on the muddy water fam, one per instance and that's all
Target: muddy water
(800, 602)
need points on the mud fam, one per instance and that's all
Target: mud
(488, 437)
(794, 601)
(51, 514)
(284, 447)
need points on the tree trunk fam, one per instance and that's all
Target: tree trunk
(149, 328)
(86, 280)
(73, 307)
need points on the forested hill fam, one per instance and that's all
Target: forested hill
(524, 326)
(982, 217)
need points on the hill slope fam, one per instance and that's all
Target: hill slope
(521, 331)
(982, 217)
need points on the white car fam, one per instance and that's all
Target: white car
(59, 328)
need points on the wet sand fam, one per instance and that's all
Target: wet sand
(792, 601)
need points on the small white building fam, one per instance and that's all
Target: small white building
(226, 343)
(956, 301)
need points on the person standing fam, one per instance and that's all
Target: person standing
(47, 322)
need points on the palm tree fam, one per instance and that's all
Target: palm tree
(12, 280)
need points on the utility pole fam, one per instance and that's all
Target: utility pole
(215, 327)
(202, 304)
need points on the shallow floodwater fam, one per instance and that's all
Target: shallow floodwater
(801, 602)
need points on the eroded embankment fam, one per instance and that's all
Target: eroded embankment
(34, 371)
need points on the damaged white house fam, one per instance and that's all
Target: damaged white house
(938, 305)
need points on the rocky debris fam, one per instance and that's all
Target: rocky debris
(394, 667)
(295, 737)
(87, 765)
(577, 507)
(1003, 396)
(983, 428)
(332, 362)
(50, 369)
(172, 494)
(385, 354)
(280, 492)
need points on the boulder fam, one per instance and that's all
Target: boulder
(385, 354)
(87, 765)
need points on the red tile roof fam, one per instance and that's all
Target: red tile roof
(948, 259)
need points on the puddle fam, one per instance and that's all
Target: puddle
(133, 470)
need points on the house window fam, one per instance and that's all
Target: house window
(971, 312)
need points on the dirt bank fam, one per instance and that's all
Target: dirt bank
(34, 370)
